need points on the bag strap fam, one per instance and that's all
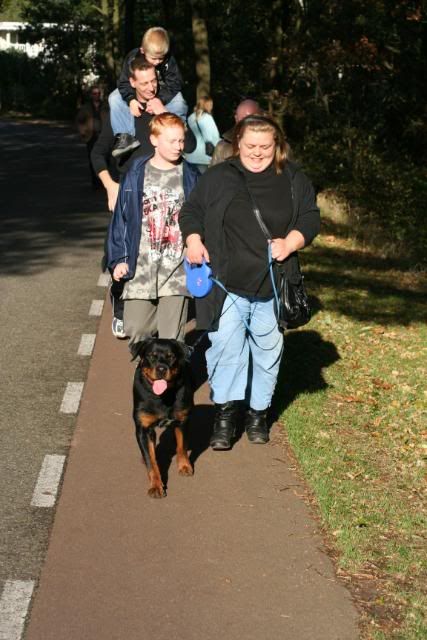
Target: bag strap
(197, 125)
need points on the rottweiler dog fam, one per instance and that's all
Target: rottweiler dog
(162, 396)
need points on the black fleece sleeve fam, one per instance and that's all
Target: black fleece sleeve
(192, 214)
(308, 218)
(102, 148)
(170, 80)
(123, 84)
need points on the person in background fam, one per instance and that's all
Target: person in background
(125, 105)
(145, 248)
(206, 132)
(224, 148)
(243, 365)
(89, 120)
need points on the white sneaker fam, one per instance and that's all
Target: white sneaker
(118, 328)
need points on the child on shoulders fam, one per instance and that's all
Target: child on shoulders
(124, 106)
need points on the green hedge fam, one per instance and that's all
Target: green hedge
(30, 85)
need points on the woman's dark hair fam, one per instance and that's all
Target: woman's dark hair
(263, 123)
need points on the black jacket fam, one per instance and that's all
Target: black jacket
(170, 81)
(203, 213)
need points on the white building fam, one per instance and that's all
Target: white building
(11, 38)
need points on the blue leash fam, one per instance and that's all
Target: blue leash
(244, 321)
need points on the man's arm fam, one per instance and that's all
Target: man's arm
(100, 155)
(111, 187)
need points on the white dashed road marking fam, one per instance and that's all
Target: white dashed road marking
(14, 603)
(87, 343)
(71, 399)
(48, 481)
(96, 307)
(104, 279)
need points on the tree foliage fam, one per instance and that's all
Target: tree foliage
(346, 79)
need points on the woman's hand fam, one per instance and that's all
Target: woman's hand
(281, 248)
(196, 250)
(120, 270)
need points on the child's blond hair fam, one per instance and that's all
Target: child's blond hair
(155, 41)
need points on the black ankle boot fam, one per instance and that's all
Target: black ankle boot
(256, 426)
(224, 425)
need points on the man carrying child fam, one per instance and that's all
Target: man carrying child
(125, 104)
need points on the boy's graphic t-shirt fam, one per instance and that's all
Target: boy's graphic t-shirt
(159, 268)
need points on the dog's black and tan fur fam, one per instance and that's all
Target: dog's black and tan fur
(161, 359)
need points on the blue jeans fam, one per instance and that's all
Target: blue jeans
(122, 121)
(243, 365)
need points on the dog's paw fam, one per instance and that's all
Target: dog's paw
(157, 492)
(185, 469)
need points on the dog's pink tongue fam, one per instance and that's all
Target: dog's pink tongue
(159, 386)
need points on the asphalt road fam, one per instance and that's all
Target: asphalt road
(51, 243)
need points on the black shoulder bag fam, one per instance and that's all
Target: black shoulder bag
(293, 306)
(209, 146)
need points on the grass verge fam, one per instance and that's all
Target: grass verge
(353, 402)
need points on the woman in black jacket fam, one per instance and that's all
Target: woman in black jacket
(219, 225)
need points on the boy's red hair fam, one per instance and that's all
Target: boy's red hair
(164, 120)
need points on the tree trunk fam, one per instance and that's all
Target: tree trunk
(110, 12)
(201, 48)
(129, 35)
(275, 97)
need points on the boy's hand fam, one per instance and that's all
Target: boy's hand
(120, 270)
(135, 108)
(155, 106)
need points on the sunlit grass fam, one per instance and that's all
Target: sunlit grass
(353, 397)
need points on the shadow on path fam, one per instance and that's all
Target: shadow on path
(48, 203)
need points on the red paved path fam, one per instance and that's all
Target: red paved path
(229, 554)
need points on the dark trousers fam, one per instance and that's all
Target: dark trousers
(116, 288)
(116, 291)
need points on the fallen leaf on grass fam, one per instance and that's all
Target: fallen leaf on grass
(381, 384)
(341, 398)
(353, 476)
(377, 421)
(379, 330)
(324, 434)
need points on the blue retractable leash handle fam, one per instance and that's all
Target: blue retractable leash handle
(199, 278)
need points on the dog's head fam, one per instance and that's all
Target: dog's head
(161, 361)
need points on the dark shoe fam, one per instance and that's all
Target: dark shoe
(224, 426)
(256, 426)
(124, 143)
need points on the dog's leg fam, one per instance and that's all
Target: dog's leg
(146, 438)
(184, 464)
